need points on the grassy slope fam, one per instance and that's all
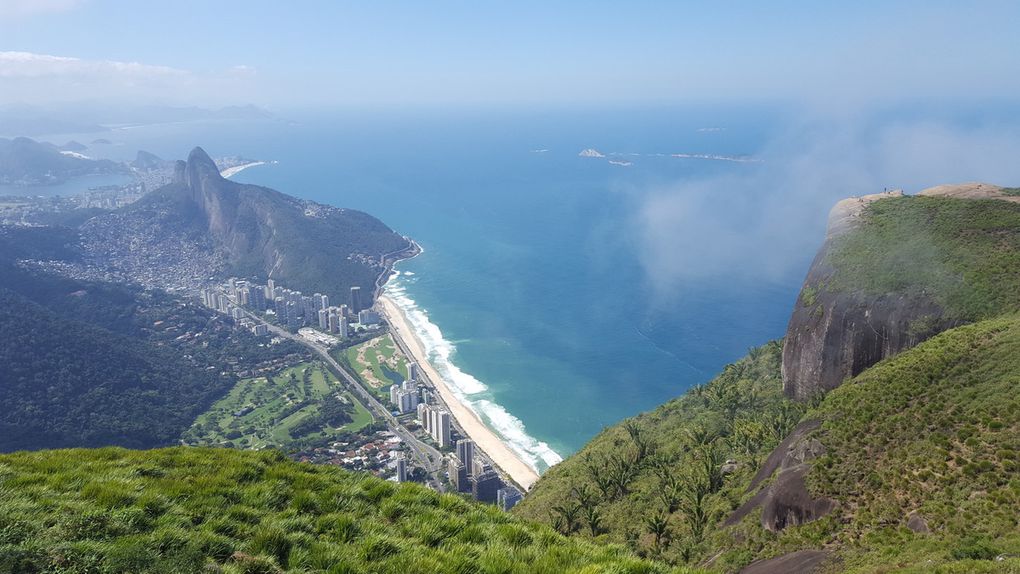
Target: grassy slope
(934, 430)
(740, 415)
(187, 509)
(963, 252)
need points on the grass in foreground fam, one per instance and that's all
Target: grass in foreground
(191, 510)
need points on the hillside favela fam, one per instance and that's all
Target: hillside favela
(509, 288)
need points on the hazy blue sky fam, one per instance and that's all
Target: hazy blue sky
(521, 52)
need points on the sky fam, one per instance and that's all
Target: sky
(593, 53)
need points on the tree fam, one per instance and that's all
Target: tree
(658, 526)
(594, 519)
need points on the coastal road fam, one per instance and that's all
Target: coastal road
(383, 277)
(423, 454)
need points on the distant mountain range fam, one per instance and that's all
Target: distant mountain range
(24, 161)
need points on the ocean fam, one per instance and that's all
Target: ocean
(537, 292)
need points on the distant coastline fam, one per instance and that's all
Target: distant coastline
(234, 170)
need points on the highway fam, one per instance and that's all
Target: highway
(422, 454)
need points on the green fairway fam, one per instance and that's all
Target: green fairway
(279, 410)
(378, 364)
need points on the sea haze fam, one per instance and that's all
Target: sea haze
(534, 291)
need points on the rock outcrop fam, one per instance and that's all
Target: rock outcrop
(834, 335)
(301, 244)
(246, 231)
(799, 562)
(787, 501)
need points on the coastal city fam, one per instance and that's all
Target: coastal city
(409, 430)
(272, 309)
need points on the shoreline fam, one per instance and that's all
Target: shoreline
(486, 440)
(232, 171)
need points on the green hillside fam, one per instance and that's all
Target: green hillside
(98, 364)
(656, 481)
(193, 510)
(929, 436)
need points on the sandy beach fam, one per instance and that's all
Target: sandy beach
(232, 171)
(486, 440)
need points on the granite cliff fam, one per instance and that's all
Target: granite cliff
(849, 316)
(235, 229)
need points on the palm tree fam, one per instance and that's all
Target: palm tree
(658, 526)
(594, 519)
(566, 521)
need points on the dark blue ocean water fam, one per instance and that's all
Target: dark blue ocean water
(534, 291)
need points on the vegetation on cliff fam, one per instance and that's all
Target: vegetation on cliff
(963, 253)
(218, 510)
(663, 482)
(918, 454)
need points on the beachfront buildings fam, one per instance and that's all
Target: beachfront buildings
(458, 475)
(436, 422)
(356, 300)
(466, 453)
(508, 497)
(485, 486)
(405, 397)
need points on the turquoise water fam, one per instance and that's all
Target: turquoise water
(534, 292)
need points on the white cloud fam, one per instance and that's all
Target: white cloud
(766, 221)
(32, 77)
(30, 65)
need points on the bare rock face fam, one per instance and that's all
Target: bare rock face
(917, 523)
(836, 335)
(787, 501)
(832, 336)
(800, 562)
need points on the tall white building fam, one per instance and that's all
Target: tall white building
(423, 415)
(412, 371)
(442, 430)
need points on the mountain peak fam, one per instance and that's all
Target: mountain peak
(200, 167)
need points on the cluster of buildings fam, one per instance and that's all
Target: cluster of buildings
(407, 397)
(469, 473)
(292, 309)
(375, 454)
(436, 422)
